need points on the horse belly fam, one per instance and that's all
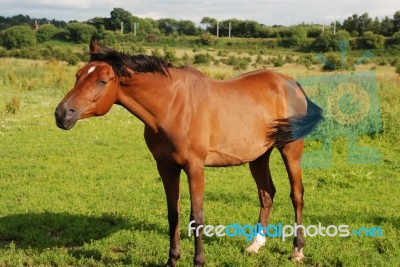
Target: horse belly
(237, 146)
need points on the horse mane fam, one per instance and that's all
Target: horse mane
(121, 62)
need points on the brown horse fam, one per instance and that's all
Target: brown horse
(192, 121)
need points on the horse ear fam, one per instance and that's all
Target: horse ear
(93, 45)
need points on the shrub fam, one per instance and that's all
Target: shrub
(398, 69)
(259, 59)
(298, 37)
(371, 41)
(207, 39)
(289, 59)
(203, 59)
(80, 32)
(333, 61)
(18, 37)
(186, 59)
(12, 106)
(326, 42)
(156, 53)
(396, 38)
(278, 61)
(108, 37)
(46, 33)
(238, 63)
(73, 60)
(170, 55)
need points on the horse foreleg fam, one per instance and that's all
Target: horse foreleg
(291, 155)
(195, 173)
(266, 190)
(171, 178)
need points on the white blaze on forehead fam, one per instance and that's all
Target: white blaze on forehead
(91, 69)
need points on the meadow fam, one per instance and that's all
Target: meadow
(92, 196)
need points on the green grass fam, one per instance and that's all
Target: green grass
(92, 196)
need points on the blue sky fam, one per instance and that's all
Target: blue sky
(269, 12)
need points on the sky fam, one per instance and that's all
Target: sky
(268, 12)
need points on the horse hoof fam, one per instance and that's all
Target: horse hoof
(258, 242)
(171, 263)
(297, 255)
(252, 249)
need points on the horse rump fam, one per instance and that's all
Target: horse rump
(286, 130)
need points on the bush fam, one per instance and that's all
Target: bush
(108, 38)
(207, 39)
(46, 33)
(80, 32)
(278, 61)
(396, 38)
(333, 61)
(326, 42)
(371, 41)
(73, 60)
(398, 69)
(170, 55)
(238, 63)
(203, 59)
(298, 37)
(156, 53)
(18, 37)
(12, 106)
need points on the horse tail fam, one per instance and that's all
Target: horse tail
(290, 129)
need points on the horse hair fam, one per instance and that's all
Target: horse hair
(121, 62)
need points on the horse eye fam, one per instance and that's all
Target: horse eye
(102, 82)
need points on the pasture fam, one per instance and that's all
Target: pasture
(92, 196)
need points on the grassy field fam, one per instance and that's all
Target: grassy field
(92, 196)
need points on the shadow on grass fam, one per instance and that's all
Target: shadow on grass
(47, 229)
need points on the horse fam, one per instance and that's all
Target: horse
(192, 121)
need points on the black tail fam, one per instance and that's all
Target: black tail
(293, 128)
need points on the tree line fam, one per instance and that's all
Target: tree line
(362, 31)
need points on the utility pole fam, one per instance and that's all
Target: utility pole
(217, 29)
(122, 27)
(134, 29)
(334, 28)
(230, 28)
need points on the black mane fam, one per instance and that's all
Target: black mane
(120, 62)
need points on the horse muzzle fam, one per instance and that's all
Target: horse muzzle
(66, 116)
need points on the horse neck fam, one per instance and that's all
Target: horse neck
(145, 96)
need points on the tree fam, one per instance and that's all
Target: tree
(357, 25)
(330, 42)
(18, 37)
(210, 24)
(119, 15)
(80, 32)
(396, 38)
(97, 22)
(364, 24)
(299, 37)
(370, 41)
(350, 24)
(46, 33)
(396, 21)
(168, 26)
(386, 26)
(186, 27)
(376, 26)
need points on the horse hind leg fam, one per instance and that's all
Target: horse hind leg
(266, 190)
(291, 155)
